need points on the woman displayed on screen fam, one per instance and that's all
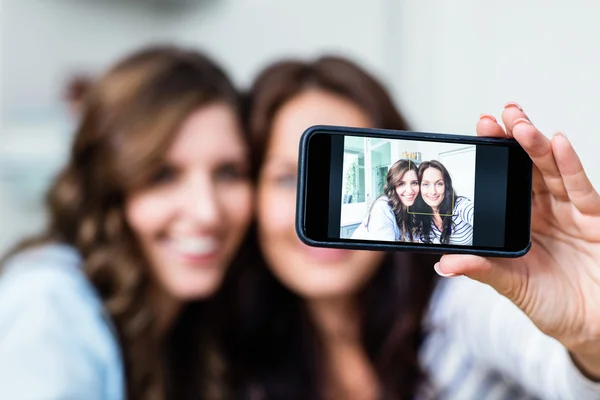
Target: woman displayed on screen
(445, 218)
(388, 218)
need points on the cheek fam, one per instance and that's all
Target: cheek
(237, 205)
(276, 211)
(146, 214)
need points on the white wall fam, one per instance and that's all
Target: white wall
(248, 34)
(44, 40)
(457, 59)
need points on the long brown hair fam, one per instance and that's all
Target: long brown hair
(406, 222)
(130, 118)
(275, 347)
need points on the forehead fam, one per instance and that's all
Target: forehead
(432, 174)
(208, 134)
(313, 107)
(409, 175)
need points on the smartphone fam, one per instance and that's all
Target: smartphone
(374, 189)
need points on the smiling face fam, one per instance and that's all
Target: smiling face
(408, 188)
(192, 216)
(313, 273)
(433, 187)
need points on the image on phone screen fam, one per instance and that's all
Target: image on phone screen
(410, 191)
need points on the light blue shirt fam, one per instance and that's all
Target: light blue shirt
(56, 340)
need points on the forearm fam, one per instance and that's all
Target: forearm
(588, 364)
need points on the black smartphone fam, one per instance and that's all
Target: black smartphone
(374, 189)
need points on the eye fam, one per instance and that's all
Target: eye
(415, 183)
(401, 184)
(286, 180)
(232, 172)
(165, 174)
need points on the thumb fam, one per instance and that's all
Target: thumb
(503, 275)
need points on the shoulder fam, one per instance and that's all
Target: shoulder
(46, 286)
(48, 281)
(463, 202)
(51, 272)
(382, 205)
(48, 276)
(381, 209)
(51, 315)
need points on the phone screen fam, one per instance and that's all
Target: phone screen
(427, 191)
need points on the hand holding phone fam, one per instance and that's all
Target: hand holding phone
(557, 283)
(426, 192)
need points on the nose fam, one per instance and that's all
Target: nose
(201, 203)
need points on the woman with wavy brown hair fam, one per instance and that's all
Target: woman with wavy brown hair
(118, 297)
(388, 218)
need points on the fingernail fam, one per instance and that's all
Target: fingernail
(440, 273)
(488, 116)
(521, 120)
(560, 134)
(513, 104)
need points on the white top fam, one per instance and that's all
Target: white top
(462, 224)
(483, 347)
(379, 224)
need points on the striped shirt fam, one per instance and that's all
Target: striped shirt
(462, 224)
(482, 347)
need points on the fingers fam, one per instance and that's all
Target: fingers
(577, 185)
(538, 183)
(488, 126)
(506, 278)
(540, 150)
(512, 112)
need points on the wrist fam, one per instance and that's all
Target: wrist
(588, 364)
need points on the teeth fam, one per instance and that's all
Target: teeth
(195, 245)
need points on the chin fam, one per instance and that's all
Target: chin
(192, 290)
(321, 288)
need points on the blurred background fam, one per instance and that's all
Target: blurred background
(444, 61)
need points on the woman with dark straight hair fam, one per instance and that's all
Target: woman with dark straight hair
(444, 216)
(118, 298)
(322, 323)
(316, 323)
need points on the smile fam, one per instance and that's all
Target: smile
(195, 246)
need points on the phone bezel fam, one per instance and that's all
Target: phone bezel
(520, 173)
